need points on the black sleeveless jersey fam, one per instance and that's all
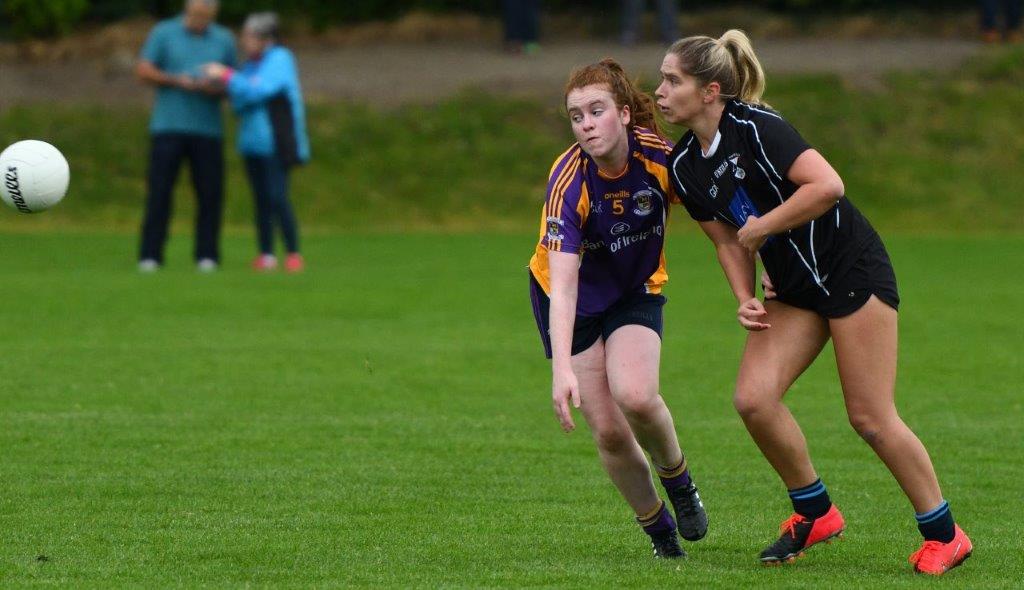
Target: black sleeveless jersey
(743, 174)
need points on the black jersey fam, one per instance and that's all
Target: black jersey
(743, 174)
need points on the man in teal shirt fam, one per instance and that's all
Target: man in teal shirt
(186, 123)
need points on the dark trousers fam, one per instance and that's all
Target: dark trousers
(1011, 12)
(206, 164)
(521, 20)
(632, 12)
(268, 177)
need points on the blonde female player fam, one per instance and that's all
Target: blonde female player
(755, 186)
(595, 283)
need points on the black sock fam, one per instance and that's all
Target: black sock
(937, 524)
(811, 501)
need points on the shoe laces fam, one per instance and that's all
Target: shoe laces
(789, 526)
(929, 551)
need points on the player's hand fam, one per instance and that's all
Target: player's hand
(211, 87)
(766, 284)
(215, 70)
(751, 315)
(185, 82)
(753, 234)
(565, 388)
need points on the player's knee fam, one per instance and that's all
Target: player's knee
(867, 425)
(639, 403)
(749, 401)
(613, 440)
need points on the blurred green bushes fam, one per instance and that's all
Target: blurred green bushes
(38, 18)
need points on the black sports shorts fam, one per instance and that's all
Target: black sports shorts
(642, 309)
(871, 274)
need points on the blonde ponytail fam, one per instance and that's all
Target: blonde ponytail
(729, 60)
(749, 74)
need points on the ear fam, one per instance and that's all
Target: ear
(711, 92)
(625, 115)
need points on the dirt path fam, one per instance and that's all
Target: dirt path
(391, 75)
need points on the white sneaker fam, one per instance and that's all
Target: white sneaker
(206, 265)
(264, 262)
(148, 265)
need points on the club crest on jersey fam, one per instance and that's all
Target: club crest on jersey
(737, 172)
(644, 200)
(555, 228)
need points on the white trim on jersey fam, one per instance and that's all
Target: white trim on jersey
(757, 137)
(777, 192)
(713, 147)
(814, 257)
(675, 163)
(814, 275)
(837, 214)
(813, 270)
(757, 110)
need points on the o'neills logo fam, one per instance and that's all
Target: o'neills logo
(14, 189)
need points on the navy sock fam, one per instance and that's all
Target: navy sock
(937, 524)
(811, 501)
(673, 478)
(659, 521)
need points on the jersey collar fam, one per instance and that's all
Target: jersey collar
(713, 147)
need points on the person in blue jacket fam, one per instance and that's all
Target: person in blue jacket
(267, 98)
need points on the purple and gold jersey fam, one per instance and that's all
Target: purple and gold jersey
(616, 225)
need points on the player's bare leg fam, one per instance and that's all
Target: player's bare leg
(866, 350)
(772, 360)
(620, 453)
(632, 356)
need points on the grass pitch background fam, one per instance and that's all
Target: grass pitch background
(384, 420)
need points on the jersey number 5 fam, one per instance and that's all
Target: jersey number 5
(617, 207)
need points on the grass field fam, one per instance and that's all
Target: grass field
(384, 420)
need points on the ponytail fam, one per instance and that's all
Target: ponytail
(625, 92)
(729, 60)
(749, 74)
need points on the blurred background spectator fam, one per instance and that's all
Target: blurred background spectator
(266, 95)
(185, 124)
(632, 20)
(522, 25)
(1011, 13)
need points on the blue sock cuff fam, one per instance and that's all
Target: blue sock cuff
(815, 489)
(935, 514)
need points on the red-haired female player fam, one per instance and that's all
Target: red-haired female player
(595, 282)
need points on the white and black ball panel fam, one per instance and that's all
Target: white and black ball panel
(34, 176)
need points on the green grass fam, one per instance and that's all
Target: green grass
(929, 153)
(384, 421)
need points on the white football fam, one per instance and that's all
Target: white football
(34, 176)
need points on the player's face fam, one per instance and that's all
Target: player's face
(599, 126)
(679, 96)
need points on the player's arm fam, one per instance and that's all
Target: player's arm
(149, 73)
(565, 271)
(819, 188)
(273, 77)
(739, 267)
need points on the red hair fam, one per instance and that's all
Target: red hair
(609, 73)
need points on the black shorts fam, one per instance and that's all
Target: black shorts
(641, 309)
(871, 274)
